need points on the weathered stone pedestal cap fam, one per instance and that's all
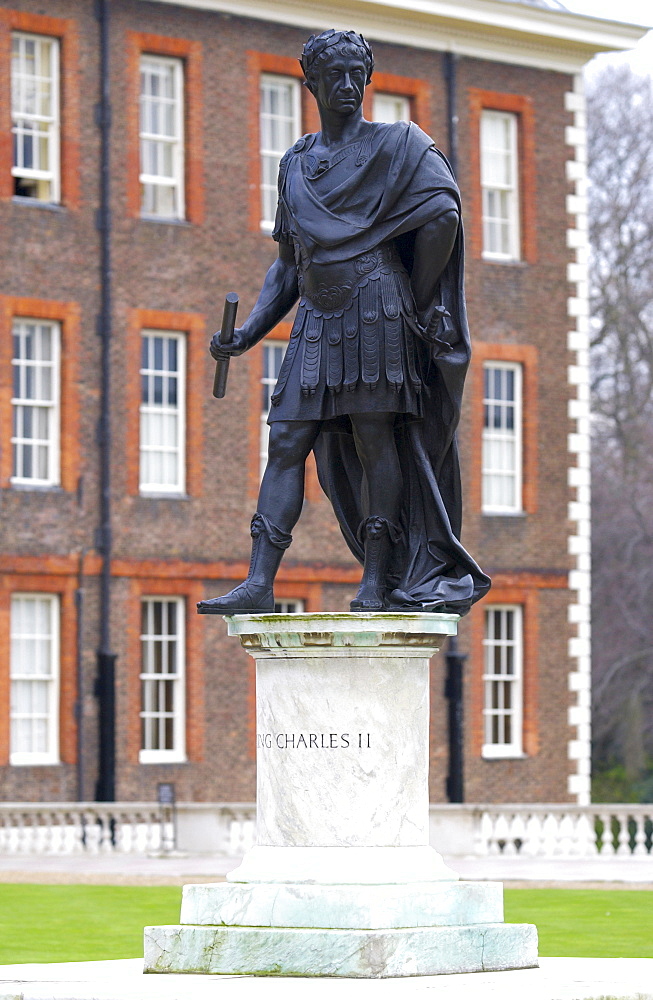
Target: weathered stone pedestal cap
(424, 632)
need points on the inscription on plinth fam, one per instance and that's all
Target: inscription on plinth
(363, 783)
(313, 741)
(342, 740)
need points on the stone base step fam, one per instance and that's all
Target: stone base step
(357, 954)
(362, 907)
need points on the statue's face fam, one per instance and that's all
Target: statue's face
(341, 84)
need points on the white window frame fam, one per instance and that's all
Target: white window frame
(50, 405)
(51, 677)
(289, 606)
(509, 438)
(51, 124)
(151, 409)
(176, 180)
(268, 382)
(270, 156)
(390, 108)
(515, 646)
(177, 753)
(495, 189)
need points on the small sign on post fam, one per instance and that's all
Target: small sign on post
(167, 815)
(166, 793)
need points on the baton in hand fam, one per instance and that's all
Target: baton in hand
(226, 337)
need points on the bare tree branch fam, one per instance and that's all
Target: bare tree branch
(620, 151)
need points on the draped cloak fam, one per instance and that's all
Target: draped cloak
(400, 182)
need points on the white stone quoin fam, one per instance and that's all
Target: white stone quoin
(342, 880)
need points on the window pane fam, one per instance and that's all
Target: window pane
(162, 445)
(273, 355)
(162, 699)
(502, 438)
(35, 377)
(288, 607)
(502, 679)
(391, 108)
(34, 668)
(35, 116)
(279, 128)
(162, 138)
(499, 183)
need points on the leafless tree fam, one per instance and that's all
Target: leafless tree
(620, 155)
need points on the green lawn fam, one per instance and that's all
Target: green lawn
(588, 923)
(67, 923)
(77, 923)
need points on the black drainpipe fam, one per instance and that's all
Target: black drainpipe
(450, 62)
(79, 703)
(453, 690)
(453, 687)
(106, 659)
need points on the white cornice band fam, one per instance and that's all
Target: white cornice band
(485, 29)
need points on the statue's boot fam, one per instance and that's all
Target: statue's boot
(255, 595)
(378, 535)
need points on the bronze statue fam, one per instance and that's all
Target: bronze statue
(370, 241)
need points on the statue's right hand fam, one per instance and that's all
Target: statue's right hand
(221, 352)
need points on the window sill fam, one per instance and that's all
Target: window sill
(153, 495)
(50, 206)
(503, 261)
(166, 220)
(37, 487)
(503, 513)
(502, 753)
(33, 760)
(161, 757)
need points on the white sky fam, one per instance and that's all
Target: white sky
(635, 11)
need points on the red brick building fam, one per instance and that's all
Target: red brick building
(138, 151)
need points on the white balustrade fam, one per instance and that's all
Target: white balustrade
(624, 834)
(82, 827)
(540, 830)
(606, 843)
(242, 831)
(537, 830)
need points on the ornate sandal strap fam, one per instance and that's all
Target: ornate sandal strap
(262, 524)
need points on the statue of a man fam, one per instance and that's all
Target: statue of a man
(370, 242)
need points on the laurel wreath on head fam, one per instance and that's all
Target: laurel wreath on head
(317, 44)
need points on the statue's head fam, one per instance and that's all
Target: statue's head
(321, 49)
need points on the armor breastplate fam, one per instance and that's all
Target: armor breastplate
(329, 288)
(355, 318)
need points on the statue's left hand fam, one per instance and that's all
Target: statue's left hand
(437, 329)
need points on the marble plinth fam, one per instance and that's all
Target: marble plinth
(355, 954)
(342, 880)
(342, 746)
(371, 907)
(357, 715)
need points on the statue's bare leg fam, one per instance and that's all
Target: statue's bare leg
(377, 451)
(282, 488)
(279, 506)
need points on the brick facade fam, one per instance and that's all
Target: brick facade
(173, 276)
